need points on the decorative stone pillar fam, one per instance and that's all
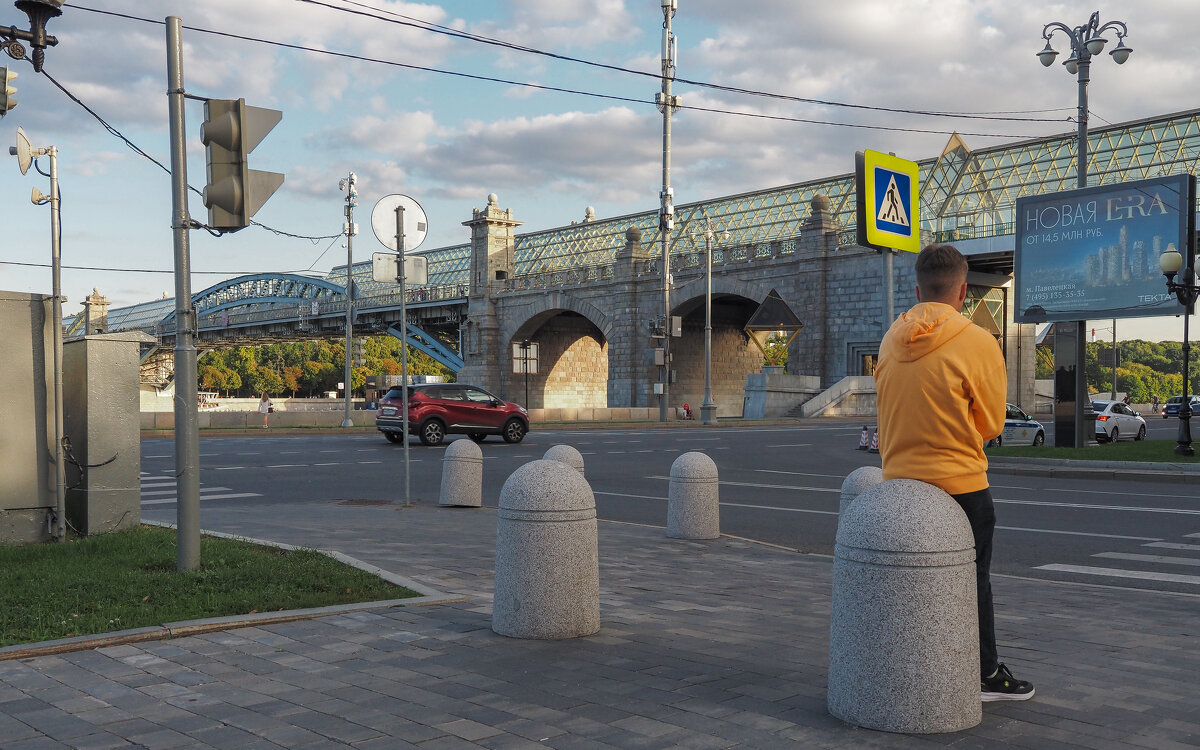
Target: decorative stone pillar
(809, 353)
(492, 242)
(95, 313)
(631, 369)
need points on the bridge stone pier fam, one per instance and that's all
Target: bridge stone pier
(592, 324)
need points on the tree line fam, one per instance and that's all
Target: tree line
(306, 368)
(1144, 368)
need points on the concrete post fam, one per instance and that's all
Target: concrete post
(547, 561)
(693, 504)
(567, 455)
(858, 482)
(904, 635)
(462, 475)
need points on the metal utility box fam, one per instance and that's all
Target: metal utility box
(27, 413)
(101, 419)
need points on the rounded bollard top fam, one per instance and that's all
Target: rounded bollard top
(463, 449)
(905, 515)
(544, 485)
(693, 465)
(861, 479)
(565, 454)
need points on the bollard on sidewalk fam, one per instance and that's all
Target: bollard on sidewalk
(856, 483)
(547, 561)
(903, 634)
(567, 455)
(693, 504)
(462, 475)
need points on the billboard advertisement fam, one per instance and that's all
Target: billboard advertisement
(1093, 253)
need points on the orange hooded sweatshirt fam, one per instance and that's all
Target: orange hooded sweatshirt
(941, 386)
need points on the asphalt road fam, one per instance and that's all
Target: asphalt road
(779, 484)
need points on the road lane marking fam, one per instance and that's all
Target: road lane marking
(1117, 573)
(767, 486)
(285, 466)
(1081, 533)
(1148, 558)
(230, 496)
(1092, 492)
(1174, 545)
(227, 468)
(1090, 506)
(800, 473)
(791, 445)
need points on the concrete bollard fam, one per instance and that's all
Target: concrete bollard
(462, 475)
(856, 483)
(693, 504)
(904, 635)
(547, 562)
(567, 455)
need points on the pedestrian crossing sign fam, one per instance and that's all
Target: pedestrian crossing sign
(888, 202)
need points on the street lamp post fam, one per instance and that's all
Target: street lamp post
(708, 409)
(1086, 40)
(350, 230)
(1186, 291)
(525, 368)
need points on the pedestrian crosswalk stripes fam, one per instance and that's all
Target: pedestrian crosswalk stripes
(152, 494)
(1145, 567)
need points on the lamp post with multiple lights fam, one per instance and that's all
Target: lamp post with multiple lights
(708, 409)
(1086, 41)
(1186, 291)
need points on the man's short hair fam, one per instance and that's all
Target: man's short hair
(940, 269)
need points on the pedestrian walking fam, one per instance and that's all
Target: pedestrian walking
(265, 407)
(1154, 402)
(941, 387)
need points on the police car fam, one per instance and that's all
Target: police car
(1019, 429)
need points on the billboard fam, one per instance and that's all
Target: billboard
(1093, 253)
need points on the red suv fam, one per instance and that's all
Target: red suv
(435, 411)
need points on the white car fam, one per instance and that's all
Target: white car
(1114, 419)
(1019, 429)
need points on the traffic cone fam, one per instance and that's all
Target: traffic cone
(875, 441)
(864, 440)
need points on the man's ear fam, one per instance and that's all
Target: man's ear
(962, 295)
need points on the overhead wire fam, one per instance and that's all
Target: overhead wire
(564, 90)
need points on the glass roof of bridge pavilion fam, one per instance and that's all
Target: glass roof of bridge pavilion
(971, 192)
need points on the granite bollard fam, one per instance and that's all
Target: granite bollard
(567, 455)
(462, 475)
(547, 561)
(904, 635)
(856, 483)
(693, 500)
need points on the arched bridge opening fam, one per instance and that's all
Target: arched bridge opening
(733, 354)
(571, 370)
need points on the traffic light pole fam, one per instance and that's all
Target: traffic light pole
(187, 438)
(401, 277)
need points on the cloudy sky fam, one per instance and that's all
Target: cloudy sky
(448, 140)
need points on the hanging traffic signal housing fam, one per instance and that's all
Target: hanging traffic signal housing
(234, 193)
(7, 90)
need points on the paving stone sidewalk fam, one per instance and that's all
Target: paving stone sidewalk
(714, 644)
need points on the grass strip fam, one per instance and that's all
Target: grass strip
(1150, 451)
(127, 579)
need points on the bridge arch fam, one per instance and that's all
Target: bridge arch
(572, 337)
(263, 289)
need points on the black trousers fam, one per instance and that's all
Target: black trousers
(982, 515)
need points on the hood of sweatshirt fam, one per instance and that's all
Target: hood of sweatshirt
(923, 329)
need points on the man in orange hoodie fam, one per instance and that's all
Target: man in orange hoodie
(941, 387)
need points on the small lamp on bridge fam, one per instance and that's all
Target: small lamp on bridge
(1186, 291)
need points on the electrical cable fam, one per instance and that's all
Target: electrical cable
(563, 90)
(138, 150)
(439, 29)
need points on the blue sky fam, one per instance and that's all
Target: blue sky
(449, 141)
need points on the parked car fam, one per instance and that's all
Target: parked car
(437, 410)
(1114, 419)
(1171, 408)
(1019, 429)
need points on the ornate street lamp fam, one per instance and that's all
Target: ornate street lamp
(39, 12)
(1186, 291)
(1086, 40)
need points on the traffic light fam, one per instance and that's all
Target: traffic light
(7, 90)
(230, 131)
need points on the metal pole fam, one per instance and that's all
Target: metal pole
(890, 283)
(1184, 437)
(708, 409)
(1114, 389)
(667, 211)
(525, 367)
(400, 278)
(347, 422)
(60, 469)
(187, 438)
(1084, 76)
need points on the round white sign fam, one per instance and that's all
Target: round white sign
(383, 222)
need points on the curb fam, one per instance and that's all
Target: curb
(1068, 468)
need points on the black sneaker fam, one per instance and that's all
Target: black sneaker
(1002, 686)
